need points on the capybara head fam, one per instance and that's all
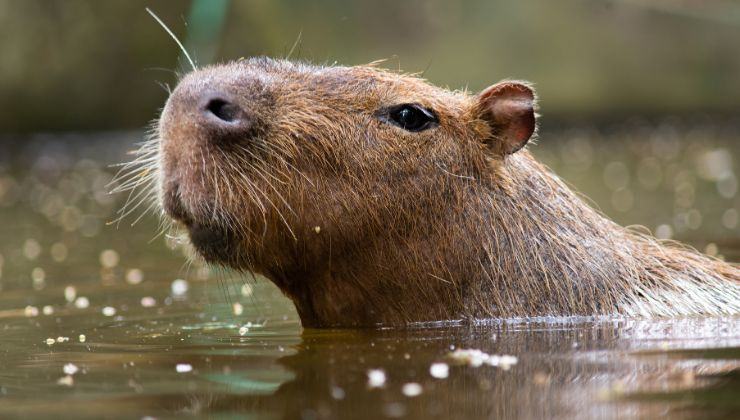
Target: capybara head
(275, 166)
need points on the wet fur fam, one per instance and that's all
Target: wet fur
(362, 223)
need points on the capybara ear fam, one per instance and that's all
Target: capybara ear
(509, 108)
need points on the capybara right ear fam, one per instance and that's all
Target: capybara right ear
(509, 108)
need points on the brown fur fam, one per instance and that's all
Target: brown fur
(362, 223)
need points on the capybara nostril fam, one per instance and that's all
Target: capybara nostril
(224, 110)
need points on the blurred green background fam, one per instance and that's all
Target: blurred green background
(639, 99)
(91, 65)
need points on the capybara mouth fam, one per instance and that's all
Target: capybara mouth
(214, 243)
(174, 207)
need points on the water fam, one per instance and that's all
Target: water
(105, 321)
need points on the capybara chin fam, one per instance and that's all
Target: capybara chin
(373, 198)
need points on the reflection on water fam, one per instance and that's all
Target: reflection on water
(98, 320)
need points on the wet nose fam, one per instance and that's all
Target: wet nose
(222, 113)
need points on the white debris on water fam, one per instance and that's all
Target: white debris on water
(243, 330)
(247, 290)
(411, 389)
(66, 380)
(237, 308)
(109, 311)
(50, 341)
(47, 310)
(179, 287)
(476, 358)
(439, 370)
(82, 302)
(134, 276)
(82, 338)
(70, 293)
(183, 368)
(70, 369)
(62, 339)
(31, 311)
(376, 378)
(148, 302)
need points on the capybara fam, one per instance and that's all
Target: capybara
(374, 198)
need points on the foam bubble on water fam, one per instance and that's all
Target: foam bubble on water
(82, 302)
(476, 358)
(148, 302)
(179, 287)
(439, 370)
(67, 380)
(70, 369)
(31, 311)
(183, 368)
(376, 378)
(506, 361)
(70, 293)
(134, 276)
(411, 389)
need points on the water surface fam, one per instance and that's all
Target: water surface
(105, 321)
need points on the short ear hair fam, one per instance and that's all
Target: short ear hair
(509, 109)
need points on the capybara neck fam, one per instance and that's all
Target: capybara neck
(374, 198)
(525, 247)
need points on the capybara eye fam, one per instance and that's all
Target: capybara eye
(412, 117)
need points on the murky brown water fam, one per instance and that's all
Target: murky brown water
(99, 321)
